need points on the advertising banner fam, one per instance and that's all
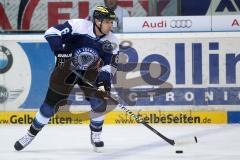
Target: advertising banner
(226, 23)
(167, 24)
(182, 23)
(37, 15)
(26, 63)
(187, 71)
(209, 7)
(153, 117)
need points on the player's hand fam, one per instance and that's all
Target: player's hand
(107, 46)
(102, 91)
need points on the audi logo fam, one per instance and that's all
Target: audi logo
(184, 23)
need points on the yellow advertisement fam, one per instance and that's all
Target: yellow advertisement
(119, 117)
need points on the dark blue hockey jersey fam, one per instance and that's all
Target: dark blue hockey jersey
(77, 36)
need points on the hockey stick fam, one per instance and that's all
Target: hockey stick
(136, 117)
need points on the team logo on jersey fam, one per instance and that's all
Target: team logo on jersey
(6, 59)
(84, 57)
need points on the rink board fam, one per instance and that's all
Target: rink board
(118, 117)
(201, 68)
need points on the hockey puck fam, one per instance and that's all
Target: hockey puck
(195, 139)
(179, 151)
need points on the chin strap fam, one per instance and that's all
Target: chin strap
(99, 28)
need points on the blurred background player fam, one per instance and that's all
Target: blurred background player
(119, 11)
(86, 47)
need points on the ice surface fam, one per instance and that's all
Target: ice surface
(123, 142)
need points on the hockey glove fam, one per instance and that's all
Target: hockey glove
(102, 90)
(107, 46)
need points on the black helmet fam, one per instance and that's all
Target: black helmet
(102, 13)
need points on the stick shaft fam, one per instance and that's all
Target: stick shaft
(136, 117)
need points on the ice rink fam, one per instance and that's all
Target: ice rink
(123, 142)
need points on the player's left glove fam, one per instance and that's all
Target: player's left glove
(102, 90)
(107, 46)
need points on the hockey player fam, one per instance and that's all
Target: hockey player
(86, 47)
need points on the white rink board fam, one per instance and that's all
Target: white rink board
(161, 44)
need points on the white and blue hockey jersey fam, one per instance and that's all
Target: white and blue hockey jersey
(77, 36)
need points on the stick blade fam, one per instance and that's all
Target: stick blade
(185, 141)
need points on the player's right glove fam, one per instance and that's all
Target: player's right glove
(102, 90)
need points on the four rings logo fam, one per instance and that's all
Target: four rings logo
(181, 23)
(6, 59)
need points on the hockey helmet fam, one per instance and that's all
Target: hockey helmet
(102, 12)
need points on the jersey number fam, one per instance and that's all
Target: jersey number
(65, 31)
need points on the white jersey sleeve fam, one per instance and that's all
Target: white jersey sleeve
(57, 35)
